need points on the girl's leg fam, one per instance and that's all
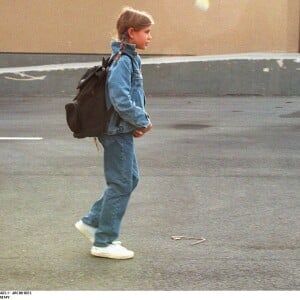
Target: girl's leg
(121, 174)
(92, 217)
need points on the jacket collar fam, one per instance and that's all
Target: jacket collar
(129, 48)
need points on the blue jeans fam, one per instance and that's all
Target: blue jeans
(122, 176)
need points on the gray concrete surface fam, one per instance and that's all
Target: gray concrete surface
(224, 168)
(264, 74)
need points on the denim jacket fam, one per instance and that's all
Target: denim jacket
(124, 90)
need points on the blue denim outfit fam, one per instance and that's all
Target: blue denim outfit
(125, 92)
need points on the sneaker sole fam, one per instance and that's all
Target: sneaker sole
(106, 255)
(85, 233)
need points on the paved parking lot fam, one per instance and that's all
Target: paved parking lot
(226, 169)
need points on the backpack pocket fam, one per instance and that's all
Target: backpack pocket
(73, 117)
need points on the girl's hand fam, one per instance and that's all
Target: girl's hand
(141, 131)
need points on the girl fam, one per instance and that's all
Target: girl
(124, 91)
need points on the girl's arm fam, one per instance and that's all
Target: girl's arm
(119, 89)
(141, 131)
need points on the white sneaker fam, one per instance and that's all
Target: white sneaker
(89, 232)
(86, 230)
(114, 251)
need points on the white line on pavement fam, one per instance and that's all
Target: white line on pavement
(15, 138)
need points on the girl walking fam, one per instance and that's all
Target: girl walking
(124, 91)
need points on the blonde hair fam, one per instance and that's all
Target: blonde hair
(130, 17)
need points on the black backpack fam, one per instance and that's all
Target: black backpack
(87, 115)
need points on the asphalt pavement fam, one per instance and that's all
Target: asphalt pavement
(225, 169)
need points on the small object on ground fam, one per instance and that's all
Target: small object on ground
(181, 237)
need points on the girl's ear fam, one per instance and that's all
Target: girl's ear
(130, 32)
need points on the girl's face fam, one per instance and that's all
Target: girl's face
(140, 38)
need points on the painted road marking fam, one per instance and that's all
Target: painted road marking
(17, 138)
(25, 77)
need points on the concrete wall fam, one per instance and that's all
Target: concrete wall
(242, 74)
(77, 26)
